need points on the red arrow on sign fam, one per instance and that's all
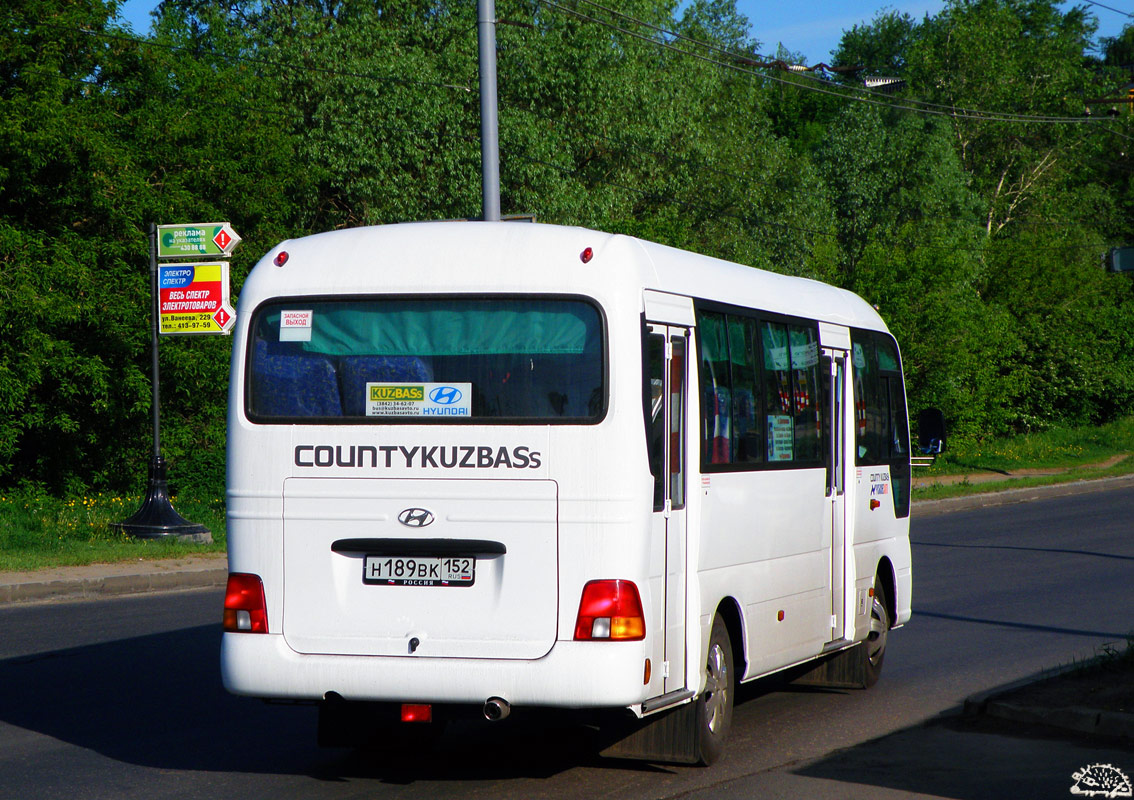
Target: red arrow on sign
(221, 318)
(222, 239)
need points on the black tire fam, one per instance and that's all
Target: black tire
(714, 705)
(874, 648)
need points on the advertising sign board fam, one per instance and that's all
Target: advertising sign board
(194, 298)
(196, 240)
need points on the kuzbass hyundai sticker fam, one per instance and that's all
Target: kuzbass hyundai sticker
(418, 399)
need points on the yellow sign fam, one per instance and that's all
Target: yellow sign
(388, 392)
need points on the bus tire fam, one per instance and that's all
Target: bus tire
(874, 648)
(714, 705)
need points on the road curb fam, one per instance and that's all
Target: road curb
(1003, 497)
(997, 703)
(108, 580)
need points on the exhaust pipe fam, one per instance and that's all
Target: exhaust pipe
(496, 709)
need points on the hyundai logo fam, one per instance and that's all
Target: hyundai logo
(445, 395)
(416, 517)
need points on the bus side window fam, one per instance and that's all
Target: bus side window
(882, 430)
(676, 401)
(716, 397)
(780, 422)
(897, 426)
(808, 406)
(743, 341)
(867, 408)
(654, 387)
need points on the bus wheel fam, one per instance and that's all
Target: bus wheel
(875, 645)
(714, 705)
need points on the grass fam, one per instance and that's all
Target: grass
(38, 531)
(1037, 459)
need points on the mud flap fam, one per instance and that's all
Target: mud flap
(845, 669)
(668, 736)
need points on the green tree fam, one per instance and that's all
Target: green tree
(1005, 57)
(102, 133)
(66, 187)
(879, 48)
(1118, 51)
(911, 243)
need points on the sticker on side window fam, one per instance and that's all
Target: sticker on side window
(781, 437)
(295, 326)
(418, 399)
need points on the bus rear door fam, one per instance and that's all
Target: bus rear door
(836, 351)
(667, 349)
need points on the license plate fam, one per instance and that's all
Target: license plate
(419, 571)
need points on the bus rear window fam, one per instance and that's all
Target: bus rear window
(388, 360)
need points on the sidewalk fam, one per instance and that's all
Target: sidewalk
(988, 476)
(103, 580)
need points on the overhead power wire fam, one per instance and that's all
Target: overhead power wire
(770, 63)
(1108, 8)
(511, 151)
(469, 137)
(846, 93)
(782, 66)
(799, 70)
(709, 168)
(843, 92)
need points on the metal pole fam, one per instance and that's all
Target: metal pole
(489, 127)
(154, 339)
(157, 518)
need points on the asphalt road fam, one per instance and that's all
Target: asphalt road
(122, 698)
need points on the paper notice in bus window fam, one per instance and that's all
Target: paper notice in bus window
(781, 437)
(295, 326)
(418, 399)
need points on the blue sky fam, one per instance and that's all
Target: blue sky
(813, 28)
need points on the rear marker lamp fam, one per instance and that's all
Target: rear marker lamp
(244, 608)
(417, 712)
(610, 610)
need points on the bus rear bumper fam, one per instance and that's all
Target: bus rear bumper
(571, 675)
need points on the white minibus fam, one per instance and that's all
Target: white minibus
(486, 465)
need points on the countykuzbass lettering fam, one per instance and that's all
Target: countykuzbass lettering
(420, 457)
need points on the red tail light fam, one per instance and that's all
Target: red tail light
(244, 608)
(417, 712)
(610, 610)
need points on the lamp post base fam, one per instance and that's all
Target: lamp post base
(156, 519)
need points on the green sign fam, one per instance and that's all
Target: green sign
(196, 240)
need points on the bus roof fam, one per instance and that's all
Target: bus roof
(466, 256)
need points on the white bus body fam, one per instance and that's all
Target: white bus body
(389, 548)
